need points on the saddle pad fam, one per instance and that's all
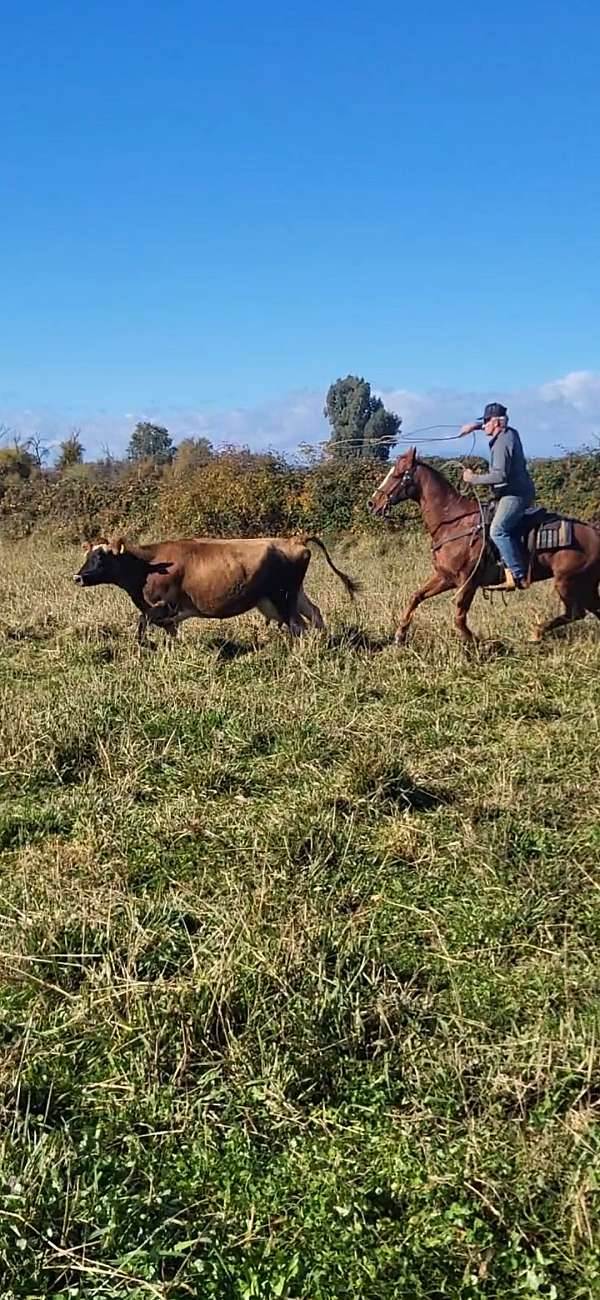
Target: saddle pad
(554, 535)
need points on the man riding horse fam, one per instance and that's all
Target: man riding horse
(512, 486)
(567, 550)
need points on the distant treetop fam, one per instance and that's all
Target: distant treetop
(360, 424)
(151, 442)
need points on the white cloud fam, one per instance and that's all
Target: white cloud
(580, 390)
(564, 412)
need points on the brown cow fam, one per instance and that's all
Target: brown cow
(211, 578)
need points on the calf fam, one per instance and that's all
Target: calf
(211, 578)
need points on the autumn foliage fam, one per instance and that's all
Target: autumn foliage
(235, 492)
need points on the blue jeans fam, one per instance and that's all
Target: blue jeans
(504, 527)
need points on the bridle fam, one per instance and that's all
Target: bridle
(406, 481)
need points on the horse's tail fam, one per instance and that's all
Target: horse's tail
(352, 587)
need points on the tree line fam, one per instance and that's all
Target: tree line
(359, 422)
(193, 488)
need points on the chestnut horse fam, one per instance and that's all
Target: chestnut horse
(461, 558)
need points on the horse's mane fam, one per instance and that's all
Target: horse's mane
(442, 480)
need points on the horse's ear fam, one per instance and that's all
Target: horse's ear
(412, 456)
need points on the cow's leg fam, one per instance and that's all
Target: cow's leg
(294, 620)
(309, 610)
(270, 612)
(171, 630)
(292, 613)
(436, 585)
(285, 612)
(142, 628)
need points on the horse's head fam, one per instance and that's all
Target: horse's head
(398, 484)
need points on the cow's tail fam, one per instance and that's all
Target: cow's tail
(352, 587)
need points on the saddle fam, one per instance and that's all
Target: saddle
(539, 530)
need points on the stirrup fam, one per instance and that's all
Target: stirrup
(510, 583)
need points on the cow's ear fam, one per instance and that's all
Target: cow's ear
(87, 547)
(117, 546)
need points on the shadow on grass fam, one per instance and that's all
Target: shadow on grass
(42, 631)
(226, 649)
(398, 791)
(356, 638)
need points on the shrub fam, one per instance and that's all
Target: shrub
(237, 493)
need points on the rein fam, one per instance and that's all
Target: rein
(470, 532)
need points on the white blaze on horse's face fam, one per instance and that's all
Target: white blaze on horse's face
(386, 480)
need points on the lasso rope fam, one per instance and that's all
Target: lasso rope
(402, 437)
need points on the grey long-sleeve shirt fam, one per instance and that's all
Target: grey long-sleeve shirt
(508, 474)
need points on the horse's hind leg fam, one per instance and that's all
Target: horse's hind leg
(436, 585)
(575, 607)
(593, 602)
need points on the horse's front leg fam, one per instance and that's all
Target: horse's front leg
(464, 601)
(434, 587)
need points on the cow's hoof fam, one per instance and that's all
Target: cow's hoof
(536, 635)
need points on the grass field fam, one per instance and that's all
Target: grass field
(300, 968)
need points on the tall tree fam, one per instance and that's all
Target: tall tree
(381, 431)
(70, 452)
(360, 423)
(191, 454)
(151, 442)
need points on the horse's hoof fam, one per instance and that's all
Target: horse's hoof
(400, 639)
(536, 636)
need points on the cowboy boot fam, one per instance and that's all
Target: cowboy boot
(510, 582)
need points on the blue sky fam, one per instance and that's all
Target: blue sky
(210, 212)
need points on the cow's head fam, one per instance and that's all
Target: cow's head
(102, 562)
(114, 562)
(398, 484)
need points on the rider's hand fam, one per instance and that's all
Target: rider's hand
(467, 428)
(468, 475)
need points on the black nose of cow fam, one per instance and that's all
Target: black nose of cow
(78, 579)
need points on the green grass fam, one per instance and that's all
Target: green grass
(300, 979)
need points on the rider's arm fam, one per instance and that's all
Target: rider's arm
(500, 460)
(493, 479)
(470, 428)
